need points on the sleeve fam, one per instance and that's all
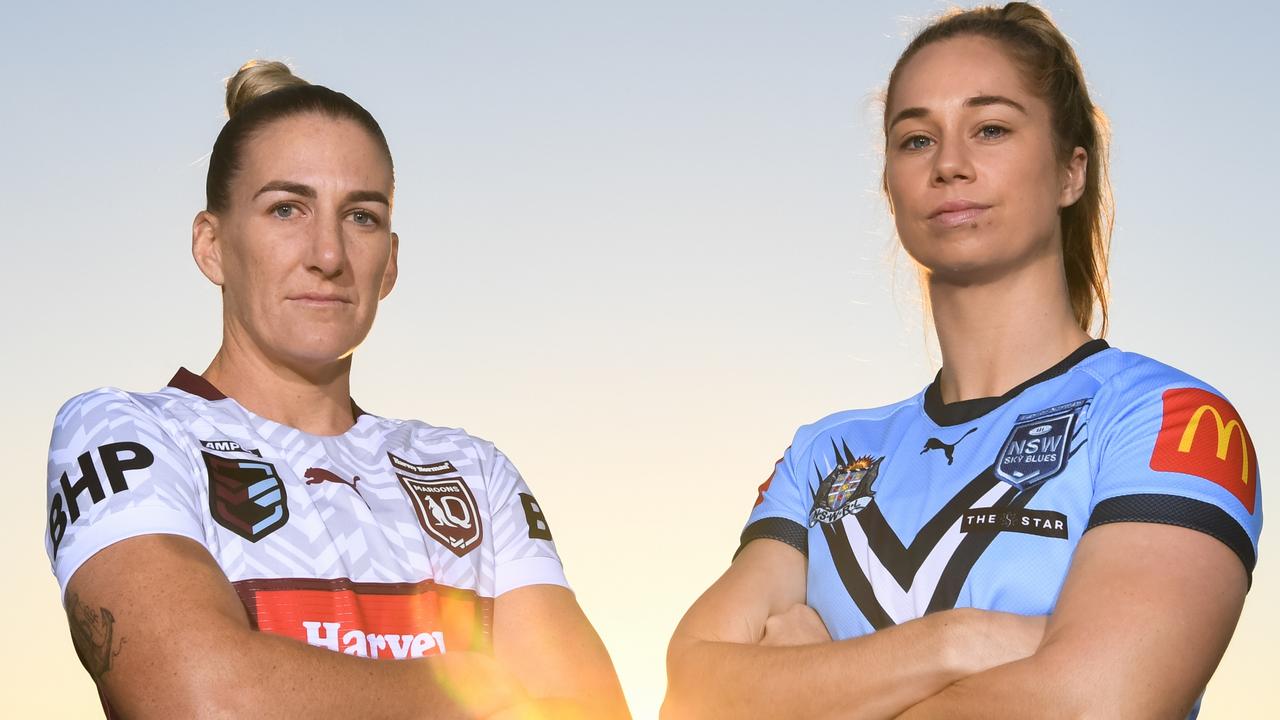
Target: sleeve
(114, 473)
(525, 554)
(782, 508)
(1169, 449)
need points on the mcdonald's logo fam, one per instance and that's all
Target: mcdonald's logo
(1202, 435)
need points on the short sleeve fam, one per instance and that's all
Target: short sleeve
(782, 508)
(1171, 450)
(525, 554)
(114, 473)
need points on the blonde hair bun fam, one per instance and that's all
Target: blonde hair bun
(255, 79)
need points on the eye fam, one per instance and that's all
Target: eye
(284, 211)
(362, 217)
(916, 142)
(992, 132)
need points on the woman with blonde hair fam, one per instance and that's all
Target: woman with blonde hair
(1053, 527)
(246, 541)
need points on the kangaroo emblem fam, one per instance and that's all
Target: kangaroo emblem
(948, 449)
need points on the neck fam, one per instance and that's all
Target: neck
(315, 401)
(994, 335)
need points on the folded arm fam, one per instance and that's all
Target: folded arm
(164, 634)
(1144, 617)
(717, 666)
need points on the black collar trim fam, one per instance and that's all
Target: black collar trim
(964, 411)
(191, 383)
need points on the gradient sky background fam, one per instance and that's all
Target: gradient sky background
(641, 243)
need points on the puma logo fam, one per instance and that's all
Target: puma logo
(948, 449)
(315, 476)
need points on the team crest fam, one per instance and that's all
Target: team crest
(446, 510)
(246, 496)
(846, 490)
(1038, 445)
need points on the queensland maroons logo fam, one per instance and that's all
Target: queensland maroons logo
(445, 507)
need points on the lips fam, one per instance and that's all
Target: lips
(319, 299)
(954, 213)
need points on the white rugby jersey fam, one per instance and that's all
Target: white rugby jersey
(388, 541)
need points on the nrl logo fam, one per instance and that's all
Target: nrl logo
(846, 490)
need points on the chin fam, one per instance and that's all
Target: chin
(317, 352)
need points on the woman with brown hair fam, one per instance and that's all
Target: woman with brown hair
(1053, 527)
(244, 542)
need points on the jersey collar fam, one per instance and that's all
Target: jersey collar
(956, 413)
(193, 384)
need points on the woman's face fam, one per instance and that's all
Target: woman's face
(304, 251)
(975, 184)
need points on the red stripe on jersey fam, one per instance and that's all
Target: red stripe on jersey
(764, 487)
(380, 620)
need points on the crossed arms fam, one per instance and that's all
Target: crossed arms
(164, 635)
(1142, 621)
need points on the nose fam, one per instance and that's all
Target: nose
(327, 254)
(952, 163)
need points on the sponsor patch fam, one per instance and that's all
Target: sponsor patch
(116, 458)
(374, 620)
(246, 497)
(1045, 523)
(764, 486)
(1038, 445)
(227, 446)
(440, 468)
(538, 529)
(846, 490)
(447, 511)
(1201, 434)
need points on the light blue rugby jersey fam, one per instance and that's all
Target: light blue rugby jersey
(922, 506)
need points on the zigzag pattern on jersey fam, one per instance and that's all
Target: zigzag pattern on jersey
(97, 417)
(336, 531)
(364, 531)
(891, 582)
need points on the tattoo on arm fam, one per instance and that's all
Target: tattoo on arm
(93, 634)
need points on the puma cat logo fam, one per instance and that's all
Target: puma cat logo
(947, 448)
(315, 476)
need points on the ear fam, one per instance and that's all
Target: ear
(206, 246)
(1074, 176)
(392, 271)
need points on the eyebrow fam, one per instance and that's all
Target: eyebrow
(309, 192)
(975, 101)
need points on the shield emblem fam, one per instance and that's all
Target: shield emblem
(446, 510)
(1038, 445)
(246, 496)
(846, 490)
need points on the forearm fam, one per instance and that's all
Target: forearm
(1023, 689)
(877, 675)
(250, 674)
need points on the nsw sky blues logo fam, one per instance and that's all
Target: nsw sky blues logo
(1038, 445)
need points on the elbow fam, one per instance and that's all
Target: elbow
(682, 697)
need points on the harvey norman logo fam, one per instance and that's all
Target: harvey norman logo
(354, 641)
(1201, 434)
